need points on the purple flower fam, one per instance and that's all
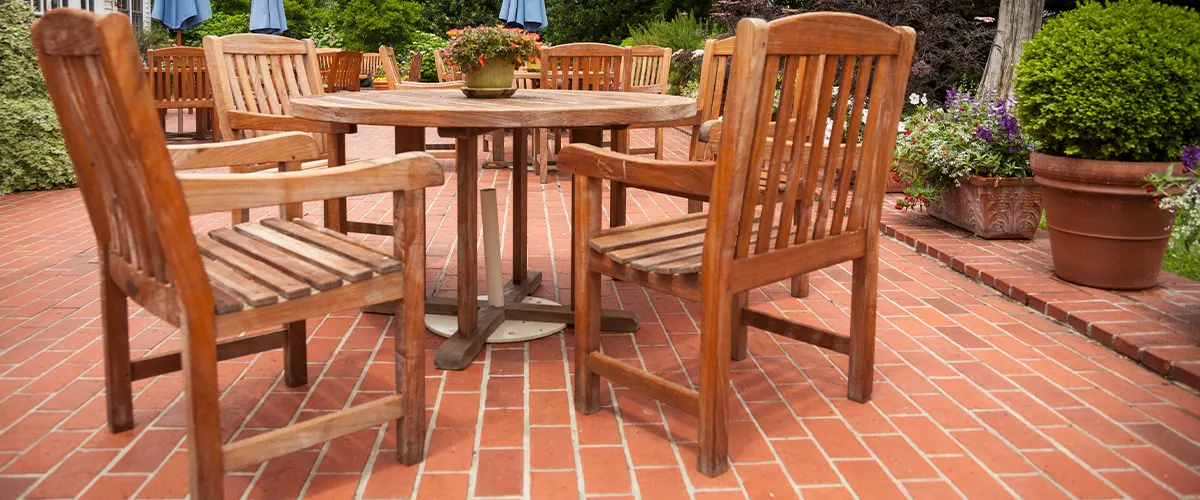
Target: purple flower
(1009, 124)
(984, 133)
(1190, 157)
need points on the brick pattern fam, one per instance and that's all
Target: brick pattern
(976, 394)
(1159, 327)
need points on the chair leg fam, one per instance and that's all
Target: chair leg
(203, 415)
(118, 379)
(658, 143)
(295, 354)
(864, 289)
(410, 326)
(739, 332)
(799, 286)
(617, 191)
(713, 437)
(586, 288)
(695, 207)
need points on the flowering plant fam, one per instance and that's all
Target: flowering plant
(939, 147)
(471, 48)
(1181, 194)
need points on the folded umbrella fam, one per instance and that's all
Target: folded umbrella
(527, 14)
(267, 17)
(181, 14)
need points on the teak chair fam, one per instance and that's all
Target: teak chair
(179, 79)
(752, 237)
(343, 74)
(391, 68)
(595, 67)
(649, 68)
(216, 286)
(446, 71)
(254, 78)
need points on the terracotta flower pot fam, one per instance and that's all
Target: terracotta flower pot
(992, 207)
(1105, 229)
(379, 84)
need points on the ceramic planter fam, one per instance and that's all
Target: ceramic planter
(380, 84)
(1105, 230)
(493, 75)
(991, 207)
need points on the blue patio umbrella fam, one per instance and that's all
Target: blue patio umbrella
(527, 14)
(267, 17)
(181, 14)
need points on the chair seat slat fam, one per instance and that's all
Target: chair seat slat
(298, 268)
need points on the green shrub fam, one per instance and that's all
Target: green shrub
(425, 44)
(1115, 82)
(683, 32)
(367, 24)
(156, 37)
(220, 24)
(440, 16)
(607, 21)
(32, 154)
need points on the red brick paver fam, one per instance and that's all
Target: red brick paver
(976, 394)
(1159, 327)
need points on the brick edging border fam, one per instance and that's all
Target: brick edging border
(1186, 373)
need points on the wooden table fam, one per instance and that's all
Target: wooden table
(585, 114)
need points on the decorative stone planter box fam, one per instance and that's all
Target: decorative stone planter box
(992, 207)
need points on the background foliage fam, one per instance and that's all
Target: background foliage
(1116, 82)
(32, 153)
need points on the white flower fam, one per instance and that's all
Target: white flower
(924, 100)
(914, 99)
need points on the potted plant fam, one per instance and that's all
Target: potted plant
(379, 82)
(1110, 93)
(1180, 195)
(488, 55)
(968, 164)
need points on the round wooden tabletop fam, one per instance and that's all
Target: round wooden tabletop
(525, 109)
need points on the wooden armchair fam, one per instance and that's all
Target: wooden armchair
(751, 236)
(253, 85)
(391, 69)
(219, 287)
(179, 79)
(446, 71)
(343, 74)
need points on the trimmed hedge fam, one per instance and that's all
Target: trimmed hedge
(32, 153)
(1115, 82)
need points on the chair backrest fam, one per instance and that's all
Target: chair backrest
(126, 177)
(343, 75)
(325, 57)
(806, 57)
(710, 102)
(649, 68)
(446, 71)
(391, 70)
(585, 66)
(179, 77)
(260, 74)
(372, 62)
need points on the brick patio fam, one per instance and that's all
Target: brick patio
(976, 394)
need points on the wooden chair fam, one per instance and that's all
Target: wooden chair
(179, 79)
(391, 69)
(253, 85)
(446, 72)
(595, 67)
(649, 68)
(751, 236)
(325, 57)
(249, 278)
(372, 63)
(343, 74)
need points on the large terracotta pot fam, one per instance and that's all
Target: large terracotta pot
(992, 207)
(1105, 229)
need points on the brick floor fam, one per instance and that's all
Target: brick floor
(976, 395)
(1159, 327)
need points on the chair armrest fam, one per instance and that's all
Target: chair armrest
(683, 178)
(242, 120)
(274, 148)
(207, 193)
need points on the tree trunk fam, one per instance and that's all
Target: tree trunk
(1019, 20)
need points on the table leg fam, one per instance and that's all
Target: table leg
(335, 210)
(468, 229)
(520, 205)
(617, 192)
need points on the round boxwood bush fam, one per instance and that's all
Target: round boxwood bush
(1113, 82)
(32, 154)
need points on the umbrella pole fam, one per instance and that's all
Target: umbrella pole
(179, 38)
